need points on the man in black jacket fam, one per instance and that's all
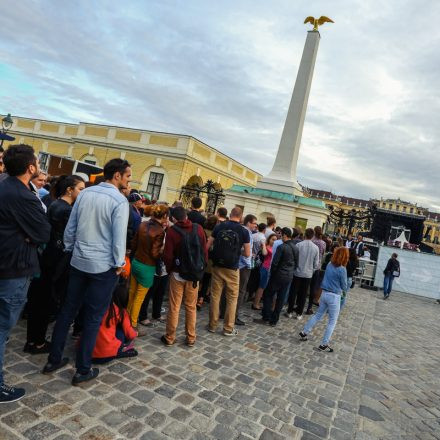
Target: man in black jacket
(23, 227)
(281, 273)
(195, 215)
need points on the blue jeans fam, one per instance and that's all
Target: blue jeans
(328, 302)
(387, 284)
(13, 296)
(264, 277)
(93, 291)
(343, 299)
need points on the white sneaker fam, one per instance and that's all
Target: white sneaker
(234, 332)
(288, 315)
(299, 317)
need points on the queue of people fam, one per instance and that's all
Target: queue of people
(101, 253)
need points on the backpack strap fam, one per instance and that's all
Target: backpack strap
(179, 230)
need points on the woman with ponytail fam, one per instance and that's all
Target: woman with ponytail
(147, 247)
(51, 286)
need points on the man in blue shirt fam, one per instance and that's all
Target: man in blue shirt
(96, 236)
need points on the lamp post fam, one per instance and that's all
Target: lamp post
(6, 125)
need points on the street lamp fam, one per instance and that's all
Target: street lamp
(6, 125)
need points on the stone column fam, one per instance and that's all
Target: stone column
(283, 175)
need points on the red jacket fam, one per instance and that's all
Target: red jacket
(172, 244)
(107, 344)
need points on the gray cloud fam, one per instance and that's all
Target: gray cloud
(224, 72)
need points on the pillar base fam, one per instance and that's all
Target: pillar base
(284, 186)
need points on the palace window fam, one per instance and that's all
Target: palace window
(404, 209)
(44, 161)
(411, 210)
(90, 159)
(301, 222)
(155, 185)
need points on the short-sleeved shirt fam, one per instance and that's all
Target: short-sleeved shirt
(243, 235)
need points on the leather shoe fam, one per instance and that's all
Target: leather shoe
(80, 378)
(238, 321)
(50, 368)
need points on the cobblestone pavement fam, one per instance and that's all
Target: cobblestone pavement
(382, 382)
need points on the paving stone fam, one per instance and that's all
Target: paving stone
(97, 433)
(242, 398)
(59, 410)
(41, 431)
(310, 426)
(143, 396)
(185, 399)
(114, 418)
(38, 401)
(260, 384)
(131, 429)
(271, 435)
(370, 413)
(225, 417)
(180, 414)
(166, 390)
(177, 430)
(8, 435)
(270, 422)
(156, 419)
(20, 418)
(154, 435)
(136, 411)
(223, 432)
(64, 437)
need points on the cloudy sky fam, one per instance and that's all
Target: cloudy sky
(223, 71)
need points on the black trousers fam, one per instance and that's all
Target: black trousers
(204, 285)
(156, 294)
(276, 287)
(254, 282)
(298, 294)
(38, 309)
(314, 285)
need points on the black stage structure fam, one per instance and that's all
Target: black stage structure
(384, 219)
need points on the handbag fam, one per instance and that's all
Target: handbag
(396, 273)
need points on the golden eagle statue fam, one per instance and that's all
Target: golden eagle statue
(318, 21)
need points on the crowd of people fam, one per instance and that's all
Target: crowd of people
(92, 256)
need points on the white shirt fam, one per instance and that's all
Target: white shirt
(268, 232)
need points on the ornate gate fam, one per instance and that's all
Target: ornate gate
(214, 199)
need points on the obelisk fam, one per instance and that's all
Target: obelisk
(283, 175)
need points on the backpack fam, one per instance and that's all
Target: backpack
(227, 249)
(191, 261)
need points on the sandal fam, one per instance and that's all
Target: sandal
(325, 348)
(147, 323)
(255, 308)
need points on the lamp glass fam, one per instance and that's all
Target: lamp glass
(7, 122)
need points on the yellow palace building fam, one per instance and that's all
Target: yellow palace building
(162, 163)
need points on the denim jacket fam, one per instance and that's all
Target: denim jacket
(97, 229)
(335, 279)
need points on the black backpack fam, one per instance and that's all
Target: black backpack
(191, 261)
(226, 249)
